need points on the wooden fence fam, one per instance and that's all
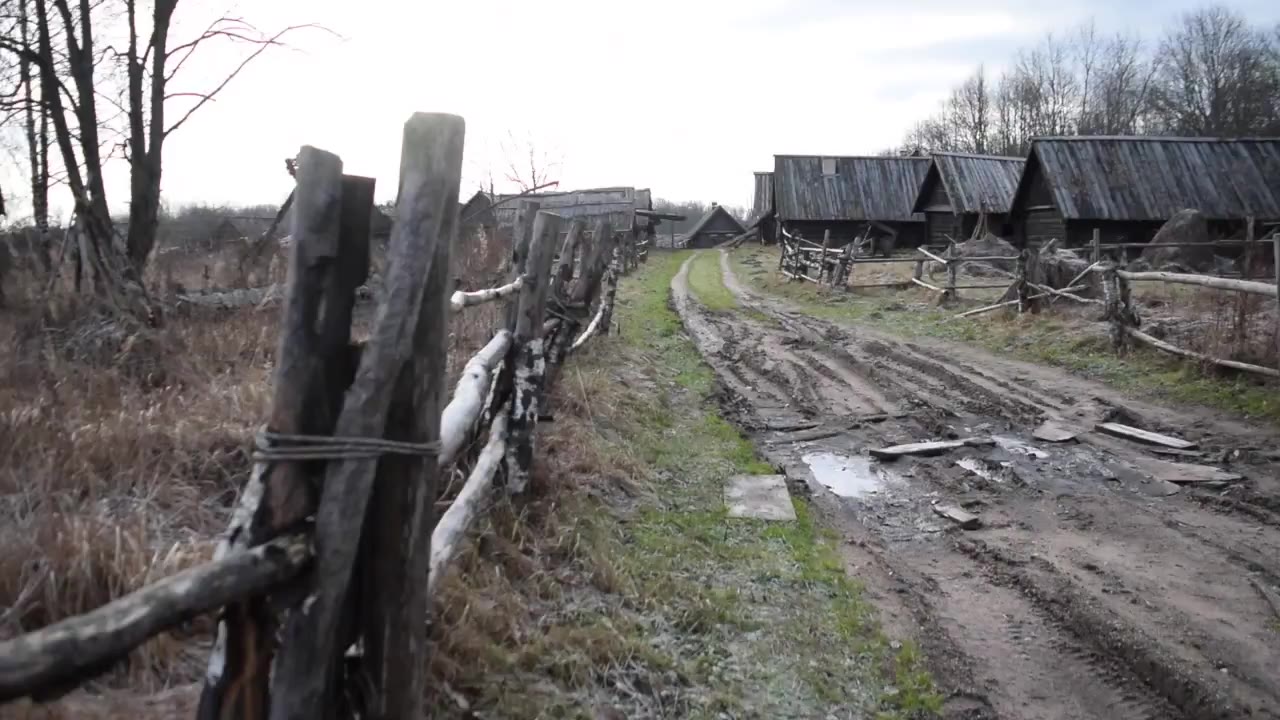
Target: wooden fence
(801, 259)
(812, 262)
(325, 577)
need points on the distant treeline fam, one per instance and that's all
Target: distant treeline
(1212, 73)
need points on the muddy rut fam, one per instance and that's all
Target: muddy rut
(1093, 589)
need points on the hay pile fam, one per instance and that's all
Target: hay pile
(1188, 226)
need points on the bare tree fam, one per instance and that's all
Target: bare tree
(74, 76)
(528, 165)
(970, 110)
(1218, 76)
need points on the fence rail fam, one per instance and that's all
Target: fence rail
(344, 480)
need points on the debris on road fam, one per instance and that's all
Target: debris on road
(759, 496)
(1054, 432)
(927, 448)
(1145, 436)
(966, 520)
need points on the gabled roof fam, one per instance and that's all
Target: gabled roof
(618, 204)
(1152, 178)
(862, 188)
(716, 211)
(973, 183)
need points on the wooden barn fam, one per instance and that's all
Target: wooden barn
(762, 215)
(1127, 187)
(847, 195)
(959, 191)
(715, 226)
(617, 204)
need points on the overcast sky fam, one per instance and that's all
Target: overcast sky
(686, 97)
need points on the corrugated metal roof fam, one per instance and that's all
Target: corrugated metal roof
(974, 183)
(1152, 178)
(862, 188)
(618, 204)
(762, 201)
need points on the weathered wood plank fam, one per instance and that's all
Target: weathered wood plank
(313, 365)
(1182, 352)
(563, 272)
(44, 663)
(1145, 436)
(302, 686)
(926, 448)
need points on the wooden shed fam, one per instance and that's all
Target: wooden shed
(961, 190)
(714, 227)
(1127, 187)
(846, 195)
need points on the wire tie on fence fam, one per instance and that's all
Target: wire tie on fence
(278, 447)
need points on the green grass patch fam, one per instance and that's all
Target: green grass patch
(759, 616)
(1060, 342)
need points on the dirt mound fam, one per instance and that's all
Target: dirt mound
(1188, 226)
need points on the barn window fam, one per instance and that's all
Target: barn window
(829, 166)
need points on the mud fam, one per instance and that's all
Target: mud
(1092, 590)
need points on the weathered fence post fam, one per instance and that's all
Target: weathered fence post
(523, 233)
(952, 270)
(530, 362)
(564, 265)
(1242, 299)
(1095, 252)
(1275, 270)
(303, 683)
(313, 367)
(822, 258)
(608, 296)
(1021, 280)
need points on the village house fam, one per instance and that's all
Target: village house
(717, 225)
(960, 190)
(849, 196)
(1127, 187)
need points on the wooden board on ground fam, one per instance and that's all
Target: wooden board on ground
(759, 496)
(1176, 452)
(926, 448)
(1055, 432)
(1145, 436)
(1185, 473)
(966, 520)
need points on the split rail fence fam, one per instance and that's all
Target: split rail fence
(326, 575)
(805, 260)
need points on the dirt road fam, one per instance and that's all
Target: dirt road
(1092, 589)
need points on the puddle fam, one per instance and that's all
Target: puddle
(1017, 447)
(849, 476)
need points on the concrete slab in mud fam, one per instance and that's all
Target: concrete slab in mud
(759, 496)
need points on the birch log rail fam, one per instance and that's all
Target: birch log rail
(337, 409)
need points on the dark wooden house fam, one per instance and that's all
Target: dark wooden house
(715, 226)
(848, 195)
(1127, 187)
(961, 190)
(762, 215)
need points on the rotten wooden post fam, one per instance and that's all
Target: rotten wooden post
(952, 270)
(1021, 280)
(1242, 299)
(530, 352)
(523, 233)
(1095, 252)
(1275, 270)
(608, 296)
(304, 679)
(314, 366)
(822, 258)
(564, 265)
